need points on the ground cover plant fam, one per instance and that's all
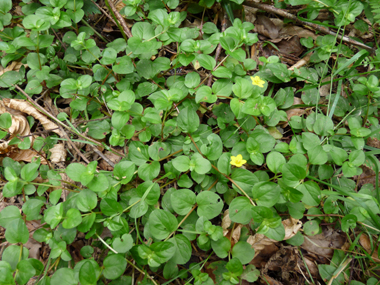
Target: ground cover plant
(189, 142)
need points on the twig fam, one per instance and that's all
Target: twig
(62, 130)
(271, 9)
(58, 122)
(121, 20)
(344, 265)
(302, 62)
(219, 48)
(106, 159)
(104, 12)
(351, 271)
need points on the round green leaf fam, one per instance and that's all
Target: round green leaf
(161, 224)
(17, 232)
(182, 249)
(182, 201)
(209, 204)
(114, 266)
(243, 251)
(221, 247)
(123, 244)
(86, 200)
(64, 276)
(275, 161)
(73, 218)
(240, 210)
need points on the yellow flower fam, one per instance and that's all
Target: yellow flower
(237, 160)
(257, 81)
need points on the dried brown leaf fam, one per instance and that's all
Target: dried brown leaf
(25, 155)
(226, 221)
(26, 107)
(266, 27)
(14, 66)
(58, 153)
(112, 157)
(369, 247)
(322, 244)
(236, 233)
(291, 30)
(260, 241)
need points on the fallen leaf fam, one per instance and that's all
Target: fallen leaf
(226, 221)
(26, 155)
(322, 244)
(259, 241)
(15, 66)
(369, 247)
(236, 233)
(112, 157)
(266, 27)
(58, 153)
(28, 108)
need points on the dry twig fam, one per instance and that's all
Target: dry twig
(280, 12)
(120, 18)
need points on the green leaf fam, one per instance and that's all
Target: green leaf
(123, 244)
(349, 221)
(86, 200)
(108, 56)
(214, 149)
(188, 120)
(5, 121)
(199, 164)
(6, 277)
(311, 193)
(5, 6)
(64, 276)
(114, 266)
(323, 125)
(240, 210)
(162, 252)
(87, 274)
(182, 247)
(221, 247)
(244, 179)
(75, 170)
(73, 218)
(32, 208)
(110, 207)
(204, 94)
(243, 251)
(250, 273)
(292, 174)
(17, 232)
(192, 80)
(311, 228)
(317, 155)
(8, 215)
(266, 193)
(275, 161)
(182, 201)
(222, 72)
(161, 224)
(243, 89)
(159, 150)
(181, 163)
(209, 204)
(206, 61)
(25, 271)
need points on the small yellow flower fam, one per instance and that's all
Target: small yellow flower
(237, 160)
(257, 81)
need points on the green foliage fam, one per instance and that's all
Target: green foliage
(223, 141)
